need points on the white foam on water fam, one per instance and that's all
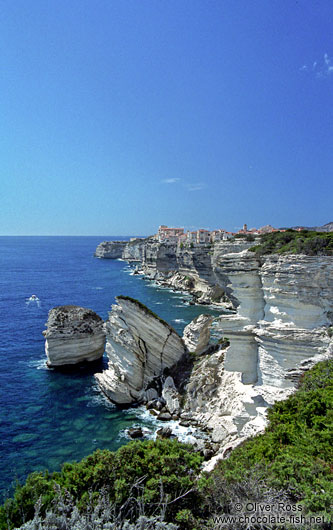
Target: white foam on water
(184, 434)
(180, 320)
(98, 399)
(40, 364)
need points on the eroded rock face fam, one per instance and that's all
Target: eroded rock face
(197, 334)
(110, 249)
(279, 310)
(134, 250)
(139, 346)
(284, 310)
(74, 334)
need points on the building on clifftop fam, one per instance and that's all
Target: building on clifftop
(170, 235)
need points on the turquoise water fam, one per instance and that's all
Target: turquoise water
(47, 417)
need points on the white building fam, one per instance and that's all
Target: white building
(169, 235)
(203, 236)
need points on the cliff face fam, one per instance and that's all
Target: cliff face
(189, 268)
(284, 306)
(280, 312)
(284, 311)
(135, 250)
(74, 334)
(110, 249)
(139, 346)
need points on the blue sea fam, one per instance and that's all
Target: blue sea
(48, 417)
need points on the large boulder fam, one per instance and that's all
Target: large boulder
(140, 346)
(171, 396)
(74, 334)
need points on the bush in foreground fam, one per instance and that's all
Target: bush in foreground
(158, 486)
(142, 477)
(294, 456)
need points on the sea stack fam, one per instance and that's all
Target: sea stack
(140, 346)
(74, 334)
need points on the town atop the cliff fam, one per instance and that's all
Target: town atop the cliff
(202, 236)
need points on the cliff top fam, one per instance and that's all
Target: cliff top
(295, 242)
(72, 317)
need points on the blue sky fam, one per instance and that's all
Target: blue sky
(120, 115)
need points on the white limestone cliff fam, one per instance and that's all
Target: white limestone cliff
(110, 249)
(74, 334)
(280, 311)
(284, 310)
(139, 346)
(196, 334)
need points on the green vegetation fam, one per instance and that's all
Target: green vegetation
(292, 461)
(154, 473)
(295, 454)
(294, 242)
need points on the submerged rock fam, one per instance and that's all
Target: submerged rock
(74, 334)
(140, 346)
(135, 432)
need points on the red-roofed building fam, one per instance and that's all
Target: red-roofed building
(203, 236)
(170, 235)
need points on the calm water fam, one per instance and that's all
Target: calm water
(47, 418)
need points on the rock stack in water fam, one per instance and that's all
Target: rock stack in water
(74, 334)
(140, 346)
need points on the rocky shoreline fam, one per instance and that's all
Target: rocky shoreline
(278, 313)
(277, 322)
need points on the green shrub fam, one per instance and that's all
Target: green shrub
(295, 453)
(291, 461)
(153, 472)
(294, 242)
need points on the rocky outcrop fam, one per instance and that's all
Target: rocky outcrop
(134, 250)
(171, 396)
(196, 334)
(140, 346)
(280, 313)
(74, 334)
(110, 249)
(284, 313)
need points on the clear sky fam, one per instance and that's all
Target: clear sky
(120, 115)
